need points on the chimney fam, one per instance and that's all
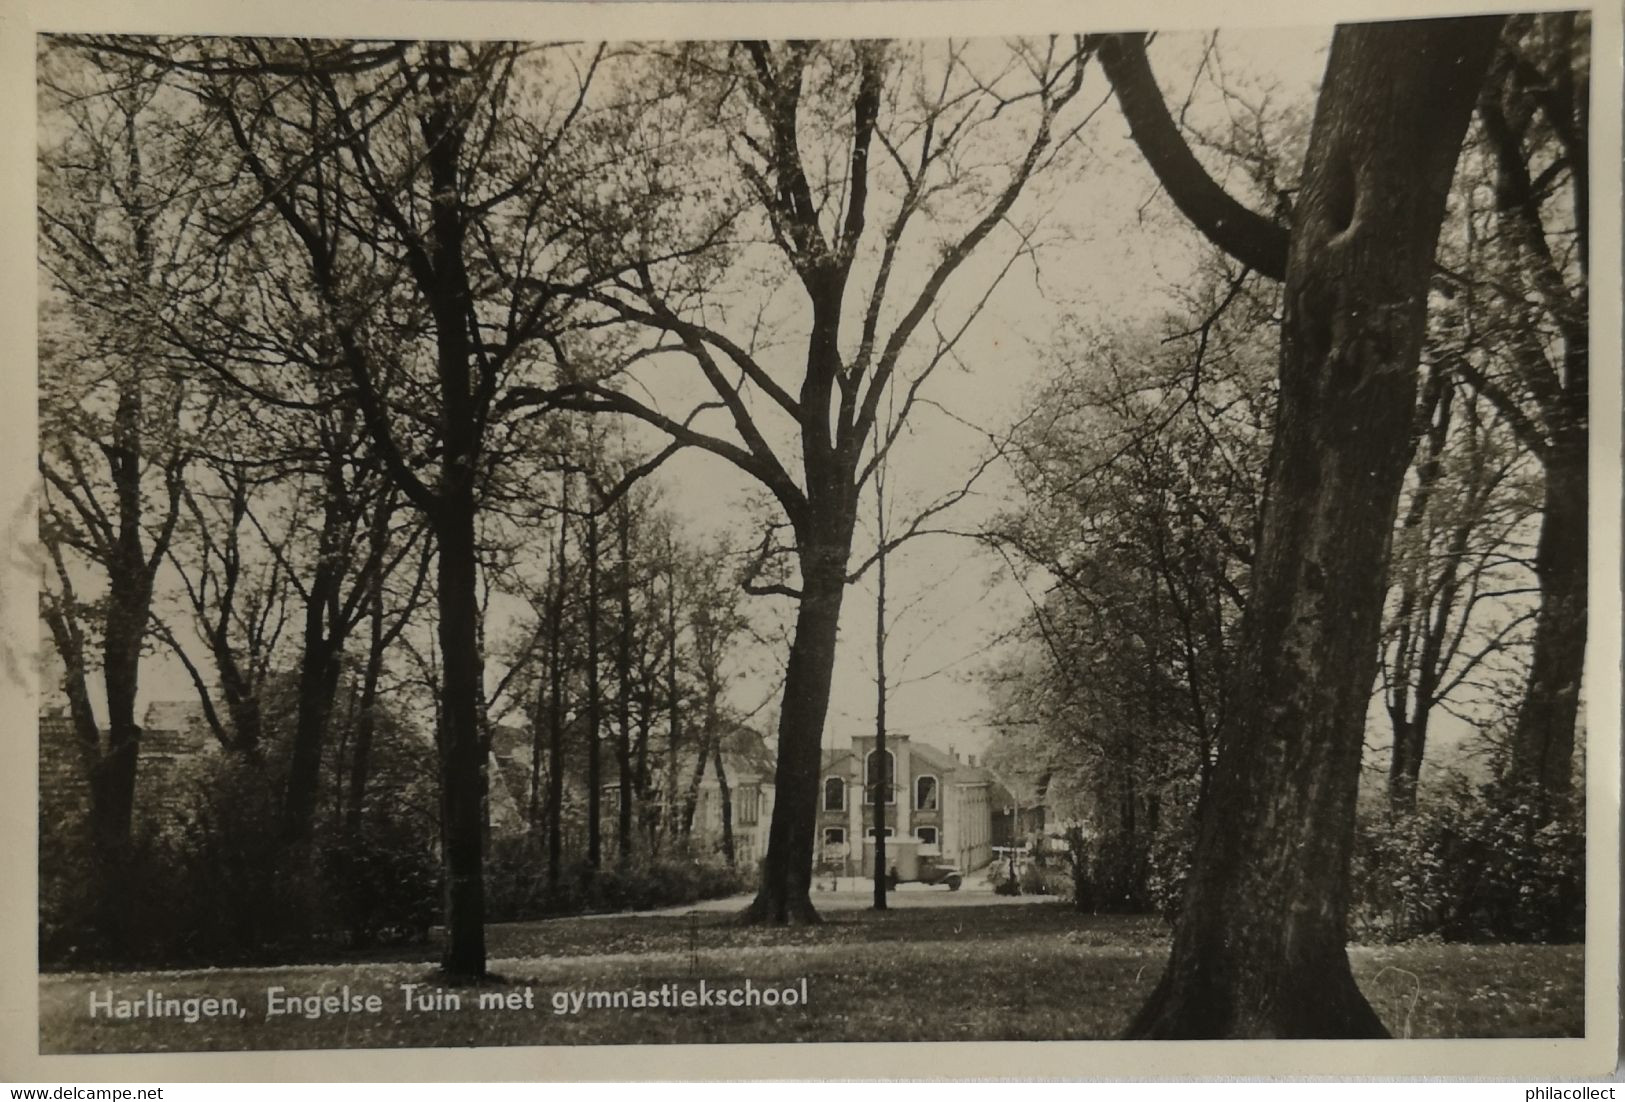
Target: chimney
(952, 753)
(973, 761)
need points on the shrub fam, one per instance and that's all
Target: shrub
(1077, 864)
(388, 888)
(217, 884)
(1002, 875)
(1039, 879)
(94, 907)
(1471, 865)
(517, 889)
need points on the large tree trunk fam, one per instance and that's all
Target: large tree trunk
(784, 895)
(555, 696)
(461, 764)
(1259, 947)
(595, 768)
(1543, 742)
(129, 601)
(318, 684)
(113, 784)
(623, 671)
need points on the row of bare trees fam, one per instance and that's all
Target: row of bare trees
(258, 342)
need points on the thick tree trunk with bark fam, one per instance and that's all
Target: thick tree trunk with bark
(112, 803)
(1543, 741)
(1535, 108)
(784, 895)
(461, 765)
(555, 697)
(1259, 948)
(318, 684)
(129, 601)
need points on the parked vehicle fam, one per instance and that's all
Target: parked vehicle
(929, 872)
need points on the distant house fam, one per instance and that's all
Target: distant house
(747, 767)
(747, 777)
(939, 806)
(508, 779)
(175, 741)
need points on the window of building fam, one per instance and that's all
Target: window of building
(889, 832)
(834, 837)
(750, 801)
(882, 773)
(834, 794)
(928, 838)
(925, 793)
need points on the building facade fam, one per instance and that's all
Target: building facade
(937, 807)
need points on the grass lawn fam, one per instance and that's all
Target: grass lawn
(1032, 972)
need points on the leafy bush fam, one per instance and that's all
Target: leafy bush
(517, 888)
(1039, 879)
(662, 882)
(1077, 866)
(98, 907)
(218, 884)
(1169, 870)
(1471, 865)
(388, 888)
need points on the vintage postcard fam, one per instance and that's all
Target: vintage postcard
(811, 540)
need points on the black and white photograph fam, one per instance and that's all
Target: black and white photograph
(1068, 532)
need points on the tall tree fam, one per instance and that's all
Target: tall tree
(1259, 948)
(1139, 466)
(623, 678)
(1519, 336)
(1458, 578)
(556, 693)
(880, 793)
(388, 195)
(119, 235)
(895, 138)
(238, 595)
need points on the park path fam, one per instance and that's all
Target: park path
(850, 893)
